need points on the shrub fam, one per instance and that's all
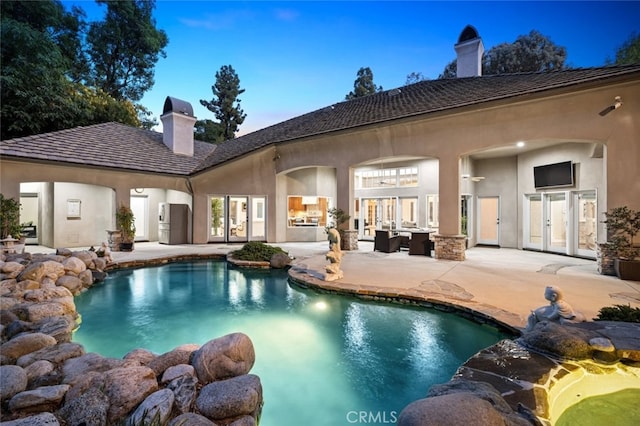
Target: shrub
(257, 252)
(619, 313)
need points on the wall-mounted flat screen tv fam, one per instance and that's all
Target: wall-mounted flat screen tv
(553, 175)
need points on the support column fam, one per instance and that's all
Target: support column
(450, 244)
(344, 201)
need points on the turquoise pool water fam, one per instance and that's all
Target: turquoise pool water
(323, 359)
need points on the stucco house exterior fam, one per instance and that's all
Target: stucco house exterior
(529, 161)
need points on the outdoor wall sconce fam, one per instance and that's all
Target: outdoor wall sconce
(617, 103)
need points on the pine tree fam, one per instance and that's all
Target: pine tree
(225, 105)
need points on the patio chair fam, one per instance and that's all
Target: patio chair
(385, 242)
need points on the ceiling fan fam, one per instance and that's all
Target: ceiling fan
(473, 178)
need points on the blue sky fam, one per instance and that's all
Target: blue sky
(293, 57)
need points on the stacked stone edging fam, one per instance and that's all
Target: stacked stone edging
(48, 379)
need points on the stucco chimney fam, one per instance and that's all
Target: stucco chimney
(469, 49)
(177, 126)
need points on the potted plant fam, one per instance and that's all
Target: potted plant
(125, 222)
(623, 224)
(9, 218)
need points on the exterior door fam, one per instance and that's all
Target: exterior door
(217, 218)
(555, 211)
(585, 223)
(489, 220)
(140, 208)
(533, 222)
(258, 219)
(238, 219)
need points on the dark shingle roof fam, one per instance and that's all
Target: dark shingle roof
(111, 145)
(119, 146)
(416, 99)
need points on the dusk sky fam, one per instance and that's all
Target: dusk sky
(293, 57)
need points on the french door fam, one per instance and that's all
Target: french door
(237, 218)
(555, 224)
(561, 222)
(378, 213)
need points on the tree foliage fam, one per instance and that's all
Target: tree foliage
(629, 52)
(414, 77)
(529, 53)
(208, 131)
(124, 48)
(225, 104)
(363, 84)
(533, 52)
(47, 70)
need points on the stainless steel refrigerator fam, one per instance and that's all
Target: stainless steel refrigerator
(173, 223)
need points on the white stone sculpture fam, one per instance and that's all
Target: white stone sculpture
(557, 311)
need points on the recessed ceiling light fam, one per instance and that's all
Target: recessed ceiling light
(520, 144)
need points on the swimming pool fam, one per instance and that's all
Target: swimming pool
(322, 359)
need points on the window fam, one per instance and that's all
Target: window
(307, 211)
(382, 178)
(408, 176)
(432, 211)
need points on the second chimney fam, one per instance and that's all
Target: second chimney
(177, 126)
(469, 49)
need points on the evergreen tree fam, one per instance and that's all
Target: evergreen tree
(208, 131)
(225, 104)
(363, 84)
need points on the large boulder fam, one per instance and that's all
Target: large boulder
(155, 408)
(83, 364)
(70, 282)
(457, 409)
(126, 388)
(25, 344)
(42, 419)
(14, 381)
(73, 266)
(280, 260)
(38, 369)
(185, 390)
(34, 272)
(561, 340)
(45, 398)
(226, 399)
(191, 419)
(89, 409)
(55, 354)
(53, 269)
(227, 356)
(177, 356)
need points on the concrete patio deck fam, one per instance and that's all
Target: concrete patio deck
(505, 284)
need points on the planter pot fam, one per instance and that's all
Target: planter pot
(627, 269)
(126, 246)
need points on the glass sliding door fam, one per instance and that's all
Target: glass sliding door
(238, 219)
(217, 222)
